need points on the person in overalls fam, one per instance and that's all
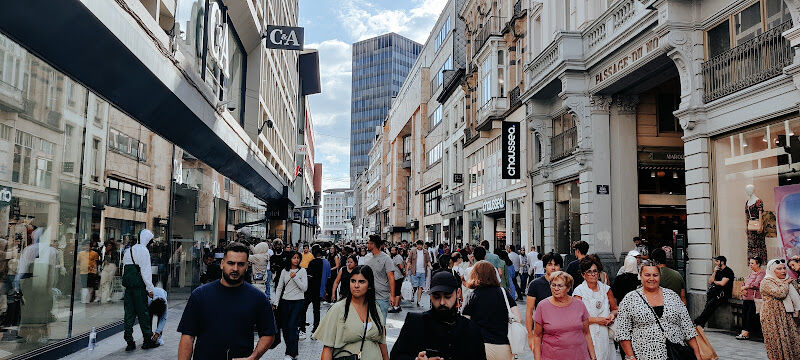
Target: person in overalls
(137, 278)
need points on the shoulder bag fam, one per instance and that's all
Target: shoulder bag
(129, 279)
(277, 315)
(675, 351)
(517, 335)
(753, 224)
(363, 337)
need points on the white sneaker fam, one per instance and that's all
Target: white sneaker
(302, 335)
(287, 357)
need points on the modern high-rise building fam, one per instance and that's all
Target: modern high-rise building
(380, 66)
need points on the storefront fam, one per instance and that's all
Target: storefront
(757, 191)
(81, 176)
(452, 218)
(494, 210)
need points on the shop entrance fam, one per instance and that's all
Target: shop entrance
(661, 226)
(500, 233)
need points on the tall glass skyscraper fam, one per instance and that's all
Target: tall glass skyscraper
(380, 66)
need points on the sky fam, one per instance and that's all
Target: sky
(331, 26)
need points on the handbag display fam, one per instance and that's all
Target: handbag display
(675, 351)
(517, 335)
(706, 350)
(753, 224)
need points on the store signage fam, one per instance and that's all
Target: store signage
(5, 196)
(603, 189)
(218, 37)
(627, 59)
(510, 141)
(458, 178)
(666, 156)
(494, 205)
(301, 150)
(284, 37)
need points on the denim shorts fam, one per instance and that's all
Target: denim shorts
(418, 280)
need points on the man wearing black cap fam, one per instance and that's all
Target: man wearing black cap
(441, 332)
(719, 290)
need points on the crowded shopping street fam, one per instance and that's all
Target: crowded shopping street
(400, 180)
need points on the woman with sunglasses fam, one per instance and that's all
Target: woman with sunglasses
(781, 335)
(561, 329)
(600, 304)
(353, 329)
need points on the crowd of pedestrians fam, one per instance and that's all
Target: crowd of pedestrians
(573, 311)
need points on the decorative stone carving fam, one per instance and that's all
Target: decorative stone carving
(626, 104)
(600, 103)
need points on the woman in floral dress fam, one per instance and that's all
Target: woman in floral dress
(781, 334)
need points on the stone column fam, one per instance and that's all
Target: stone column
(624, 167)
(600, 204)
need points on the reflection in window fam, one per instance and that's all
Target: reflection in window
(124, 195)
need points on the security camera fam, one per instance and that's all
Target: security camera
(227, 104)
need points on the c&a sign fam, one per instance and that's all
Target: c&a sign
(284, 37)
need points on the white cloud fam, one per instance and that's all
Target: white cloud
(331, 159)
(364, 20)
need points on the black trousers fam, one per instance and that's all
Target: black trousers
(310, 299)
(711, 305)
(750, 320)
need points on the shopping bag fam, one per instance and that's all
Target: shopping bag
(406, 290)
(706, 350)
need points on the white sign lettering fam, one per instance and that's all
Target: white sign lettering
(218, 37)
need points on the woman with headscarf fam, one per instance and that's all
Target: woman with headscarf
(260, 267)
(628, 277)
(781, 334)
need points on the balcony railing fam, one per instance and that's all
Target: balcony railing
(756, 60)
(491, 27)
(513, 97)
(561, 145)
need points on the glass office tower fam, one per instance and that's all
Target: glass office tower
(380, 66)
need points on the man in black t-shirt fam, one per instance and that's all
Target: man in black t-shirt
(581, 249)
(719, 291)
(314, 273)
(220, 316)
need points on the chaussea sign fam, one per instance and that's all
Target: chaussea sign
(511, 145)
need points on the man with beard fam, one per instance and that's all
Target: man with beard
(220, 316)
(441, 332)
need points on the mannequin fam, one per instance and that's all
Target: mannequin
(754, 207)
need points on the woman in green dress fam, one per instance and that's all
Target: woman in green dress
(353, 327)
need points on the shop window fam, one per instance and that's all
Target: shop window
(475, 226)
(765, 157)
(666, 105)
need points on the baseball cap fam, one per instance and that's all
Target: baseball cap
(443, 281)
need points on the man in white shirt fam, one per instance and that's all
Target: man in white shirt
(532, 256)
(515, 261)
(137, 277)
(419, 262)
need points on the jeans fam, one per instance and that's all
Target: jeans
(711, 304)
(289, 320)
(750, 320)
(523, 286)
(418, 280)
(310, 299)
(383, 306)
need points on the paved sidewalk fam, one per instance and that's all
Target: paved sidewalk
(727, 347)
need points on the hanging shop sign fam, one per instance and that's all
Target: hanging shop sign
(603, 189)
(627, 59)
(284, 37)
(495, 204)
(510, 141)
(458, 178)
(5, 196)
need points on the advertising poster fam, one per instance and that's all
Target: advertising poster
(788, 218)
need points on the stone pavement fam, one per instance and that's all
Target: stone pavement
(727, 347)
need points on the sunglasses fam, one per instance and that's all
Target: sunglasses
(780, 261)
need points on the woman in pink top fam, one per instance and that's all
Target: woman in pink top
(750, 291)
(561, 329)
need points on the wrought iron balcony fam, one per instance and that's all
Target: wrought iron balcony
(758, 59)
(492, 26)
(513, 97)
(563, 144)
